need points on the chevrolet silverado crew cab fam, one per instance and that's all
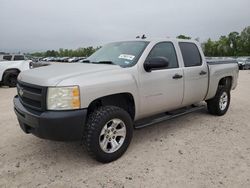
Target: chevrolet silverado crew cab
(123, 86)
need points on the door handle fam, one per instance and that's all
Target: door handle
(177, 76)
(203, 73)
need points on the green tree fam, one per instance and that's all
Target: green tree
(51, 53)
(233, 39)
(183, 37)
(234, 44)
(244, 47)
(209, 48)
(224, 48)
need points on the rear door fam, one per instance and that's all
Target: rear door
(195, 73)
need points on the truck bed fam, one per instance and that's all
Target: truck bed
(216, 62)
(220, 69)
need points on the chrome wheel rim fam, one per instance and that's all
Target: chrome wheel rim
(112, 135)
(223, 101)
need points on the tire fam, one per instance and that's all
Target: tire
(99, 137)
(220, 103)
(10, 78)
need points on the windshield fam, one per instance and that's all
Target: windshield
(124, 54)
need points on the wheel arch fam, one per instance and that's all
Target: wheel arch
(214, 84)
(226, 81)
(123, 100)
(10, 69)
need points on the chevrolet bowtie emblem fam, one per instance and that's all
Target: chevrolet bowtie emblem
(20, 91)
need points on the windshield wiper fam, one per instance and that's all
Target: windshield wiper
(85, 61)
(104, 62)
(98, 62)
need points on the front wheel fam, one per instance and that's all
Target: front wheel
(108, 133)
(10, 78)
(220, 103)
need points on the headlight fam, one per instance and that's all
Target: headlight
(63, 98)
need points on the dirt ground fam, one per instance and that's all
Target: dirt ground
(195, 150)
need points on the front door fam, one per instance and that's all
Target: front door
(161, 90)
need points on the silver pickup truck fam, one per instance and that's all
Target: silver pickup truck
(123, 86)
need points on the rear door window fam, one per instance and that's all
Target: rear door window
(190, 53)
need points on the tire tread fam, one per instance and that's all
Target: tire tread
(90, 128)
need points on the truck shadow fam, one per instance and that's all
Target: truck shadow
(75, 153)
(169, 128)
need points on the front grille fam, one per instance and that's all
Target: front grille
(32, 96)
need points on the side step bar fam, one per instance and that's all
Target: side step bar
(166, 116)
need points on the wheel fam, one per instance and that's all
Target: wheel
(108, 133)
(220, 103)
(10, 78)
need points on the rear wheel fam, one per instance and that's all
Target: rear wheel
(220, 103)
(10, 78)
(108, 133)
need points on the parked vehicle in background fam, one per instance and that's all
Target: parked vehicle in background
(47, 59)
(35, 59)
(122, 86)
(80, 58)
(40, 64)
(9, 70)
(75, 59)
(63, 59)
(72, 59)
(244, 63)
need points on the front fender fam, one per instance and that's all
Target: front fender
(95, 86)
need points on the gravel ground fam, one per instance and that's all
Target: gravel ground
(195, 150)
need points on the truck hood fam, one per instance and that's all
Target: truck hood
(54, 74)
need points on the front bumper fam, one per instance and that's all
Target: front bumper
(52, 125)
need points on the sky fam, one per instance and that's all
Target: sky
(39, 25)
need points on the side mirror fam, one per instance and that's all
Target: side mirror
(156, 63)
